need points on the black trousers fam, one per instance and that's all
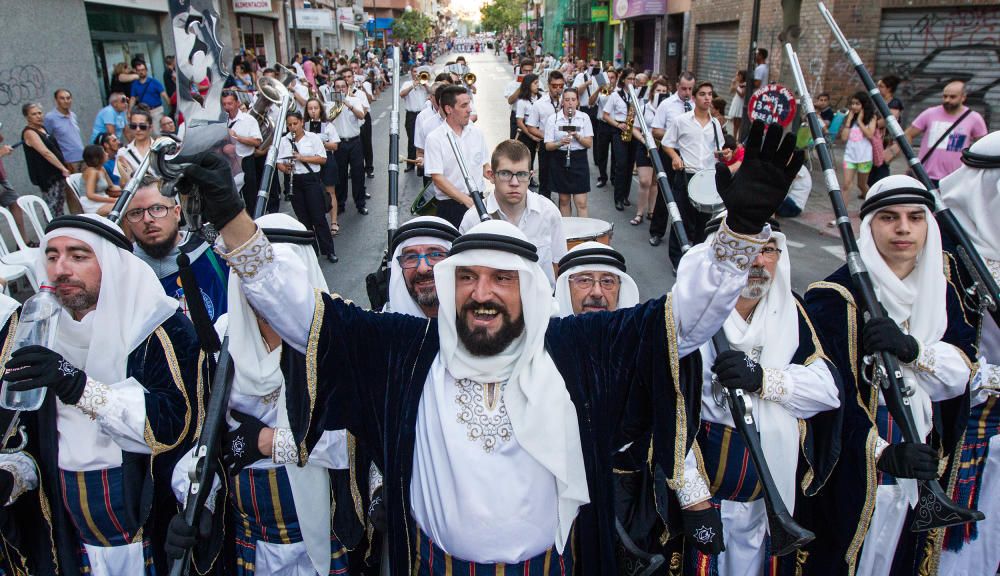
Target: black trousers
(544, 174)
(533, 148)
(603, 133)
(274, 192)
(309, 203)
(366, 143)
(250, 186)
(694, 221)
(624, 162)
(411, 128)
(513, 125)
(661, 218)
(350, 162)
(451, 210)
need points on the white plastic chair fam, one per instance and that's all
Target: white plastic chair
(19, 255)
(37, 212)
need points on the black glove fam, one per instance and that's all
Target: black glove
(909, 460)
(181, 537)
(376, 511)
(735, 370)
(751, 196)
(6, 486)
(884, 335)
(241, 448)
(209, 175)
(33, 367)
(703, 529)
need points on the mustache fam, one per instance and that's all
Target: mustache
(600, 302)
(759, 272)
(491, 305)
(422, 276)
(60, 282)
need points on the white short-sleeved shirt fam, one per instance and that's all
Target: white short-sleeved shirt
(695, 143)
(667, 111)
(415, 98)
(540, 222)
(440, 159)
(522, 108)
(309, 145)
(761, 73)
(616, 107)
(583, 127)
(585, 86)
(426, 122)
(327, 132)
(347, 124)
(245, 127)
(542, 109)
(302, 91)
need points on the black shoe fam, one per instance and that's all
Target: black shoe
(332, 258)
(655, 240)
(368, 194)
(626, 202)
(602, 182)
(619, 206)
(371, 175)
(363, 211)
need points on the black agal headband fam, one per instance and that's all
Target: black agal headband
(105, 230)
(598, 255)
(289, 236)
(484, 241)
(415, 228)
(895, 197)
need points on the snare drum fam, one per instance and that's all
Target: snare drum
(580, 230)
(702, 192)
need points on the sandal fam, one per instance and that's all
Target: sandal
(636, 221)
(334, 229)
(649, 215)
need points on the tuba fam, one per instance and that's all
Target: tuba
(270, 91)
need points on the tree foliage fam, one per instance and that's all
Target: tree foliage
(412, 26)
(501, 15)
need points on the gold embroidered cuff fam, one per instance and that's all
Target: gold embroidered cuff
(94, 398)
(283, 449)
(880, 445)
(693, 490)
(737, 249)
(926, 360)
(989, 378)
(20, 486)
(773, 387)
(247, 260)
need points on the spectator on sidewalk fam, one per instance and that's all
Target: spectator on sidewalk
(762, 72)
(798, 195)
(948, 129)
(823, 108)
(111, 144)
(62, 124)
(881, 141)
(857, 132)
(112, 118)
(149, 91)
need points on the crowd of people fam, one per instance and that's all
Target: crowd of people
(513, 404)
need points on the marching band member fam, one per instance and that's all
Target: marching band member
(538, 116)
(349, 156)
(512, 92)
(623, 147)
(569, 172)
(670, 109)
(316, 123)
(245, 134)
(303, 155)
(603, 132)
(648, 189)
(414, 95)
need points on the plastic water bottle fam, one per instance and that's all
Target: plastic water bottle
(37, 325)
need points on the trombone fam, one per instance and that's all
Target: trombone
(423, 77)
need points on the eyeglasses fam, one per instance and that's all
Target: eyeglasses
(410, 261)
(157, 211)
(139, 126)
(587, 282)
(770, 252)
(507, 175)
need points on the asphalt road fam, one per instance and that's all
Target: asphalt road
(362, 239)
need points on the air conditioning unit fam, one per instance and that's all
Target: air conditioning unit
(359, 18)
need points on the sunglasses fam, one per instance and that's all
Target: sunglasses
(139, 126)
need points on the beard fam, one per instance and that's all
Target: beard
(157, 250)
(758, 284)
(425, 299)
(78, 302)
(478, 341)
(950, 108)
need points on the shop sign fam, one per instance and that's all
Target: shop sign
(312, 19)
(773, 104)
(634, 8)
(252, 5)
(599, 13)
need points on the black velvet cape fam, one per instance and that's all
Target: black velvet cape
(366, 372)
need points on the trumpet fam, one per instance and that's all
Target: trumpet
(423, 77)
(469, 78)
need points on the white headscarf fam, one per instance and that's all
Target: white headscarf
(973, 194)
(774, 331)
(258, 373)
(130, 305)
(541, 412)
(400, 300)
(628, 292)
(920, 299)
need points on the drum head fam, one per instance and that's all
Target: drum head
(702, 192)
(578, 230)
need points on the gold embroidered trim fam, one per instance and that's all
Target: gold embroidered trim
(200, 391)
(283, 449)
(869, 508)
(175, 373)
(483, 413)
(818, 351)
(773, 388)
(680, 438)
(248, 259)
(9, 342)
(94, 398)
(926, 360)
(352, 448)
(737, 249)
(949, 262)
(312, 349)
(46, 508)
(19, 485)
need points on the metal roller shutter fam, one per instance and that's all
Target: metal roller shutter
(928, 47)
(717, 53)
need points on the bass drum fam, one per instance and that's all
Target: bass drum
(580, 230)
(703, 194)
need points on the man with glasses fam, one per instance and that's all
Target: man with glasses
(154, 220)
(510, 171)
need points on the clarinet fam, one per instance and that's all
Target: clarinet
(787, 535)
(935, 509)
(569, 147)
(983, 283)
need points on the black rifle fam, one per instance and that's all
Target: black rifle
(787, 535)
(934, 509)
(984, 286)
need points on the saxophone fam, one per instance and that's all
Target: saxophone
(629, 122)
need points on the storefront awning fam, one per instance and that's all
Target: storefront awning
(349, 27)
